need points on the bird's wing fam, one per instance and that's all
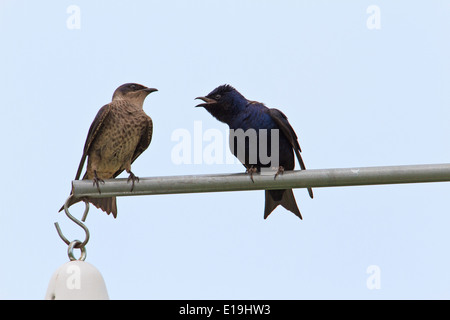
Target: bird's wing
(144, 142)
(92, 134)
(146, 138)
(286, 128)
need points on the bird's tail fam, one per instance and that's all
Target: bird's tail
(283, 197)
(109, 205)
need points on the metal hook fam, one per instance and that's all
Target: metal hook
(78, 244)
(72, 245)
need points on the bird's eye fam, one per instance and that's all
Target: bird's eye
(133, 86)
(218, 96)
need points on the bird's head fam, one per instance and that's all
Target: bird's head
(135, 93)
(223, 103)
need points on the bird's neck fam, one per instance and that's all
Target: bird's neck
(229, 113)
(223, 116)
(131, 104)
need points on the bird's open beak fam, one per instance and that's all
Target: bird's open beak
(149, 90)
(208, 101)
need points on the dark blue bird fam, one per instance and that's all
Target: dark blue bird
(252, 127)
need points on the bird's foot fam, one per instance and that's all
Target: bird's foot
(97, 180)
(133, 178)
(279, 171)
(251, 171)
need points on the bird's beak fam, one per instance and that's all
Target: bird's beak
(208, 101)
(149, 90)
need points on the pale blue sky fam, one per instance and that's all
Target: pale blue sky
(356, 97)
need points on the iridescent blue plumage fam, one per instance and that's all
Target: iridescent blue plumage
(260, 138)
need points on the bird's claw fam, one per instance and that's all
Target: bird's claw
(279, 171)
(96, 181)
(251, 171)
(133, 178)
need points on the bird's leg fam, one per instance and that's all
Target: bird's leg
(251, 171)
(279, 171)
(97, 180)
(133, 178)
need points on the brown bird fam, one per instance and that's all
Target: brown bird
(120, 132)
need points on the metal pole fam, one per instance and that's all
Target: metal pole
(290, 179)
